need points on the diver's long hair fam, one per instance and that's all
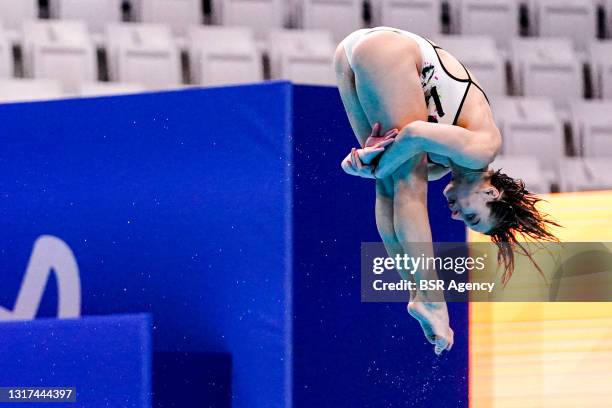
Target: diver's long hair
(515, 213)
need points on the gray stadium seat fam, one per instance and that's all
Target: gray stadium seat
(143, 53)
(526, 168)
(600, 54)
(22, 90)
(224, 55)
(61, 50)
(547, 67)
(423, 17)
(341, 17)
(259, 15)
(497, 18)
(95, 13)
(178, 14)
(302, 56)
(530, 127)
(482, 57)
(592, 124)
(575, 19)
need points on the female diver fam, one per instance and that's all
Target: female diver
(439, 121)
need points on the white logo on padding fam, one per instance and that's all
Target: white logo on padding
(50, 254)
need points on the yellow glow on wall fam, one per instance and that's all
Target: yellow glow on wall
(547, 354)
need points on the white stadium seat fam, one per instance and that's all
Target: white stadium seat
(223, 55)
(22, 90)
(608, 12)
(530, 127)
(480, 55)
(585, 173)
(497, 18)
(60, 50)
(423, 17)
(576, 19)
(259, 15)
(143, 53)
(601, 68)
(526, 168)
(6, 56)
(547, 67)
(109, 88)
(95, 13)
(592, 124)
(14, 12)
(178, 14)
(302, 56)
(341, 17)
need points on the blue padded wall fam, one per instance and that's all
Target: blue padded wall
(224, 213)
(107, 359)
(347, 353)
(174, 204)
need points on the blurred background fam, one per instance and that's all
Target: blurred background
(545, 64)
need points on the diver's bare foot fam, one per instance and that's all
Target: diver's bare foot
(433, 317)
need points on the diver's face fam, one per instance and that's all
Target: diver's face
(468, 201)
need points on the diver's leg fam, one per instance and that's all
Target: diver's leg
(384, 219)
(389, 90)
(362, 128)
(345, 77)
(387, 79)
(411, 225)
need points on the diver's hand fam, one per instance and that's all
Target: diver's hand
(359, 161)
(354, 166)
(376, 138)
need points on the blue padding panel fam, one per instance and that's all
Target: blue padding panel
(107, 359)
(174, 204)
(201, 208)
(349, 354)
(209, 374)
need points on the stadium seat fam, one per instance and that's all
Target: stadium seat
(21, 90)
(259, 15)
(497, 18)
(530, 127)
(481, 56)
(143, 53)
(584, 174)
(341, 17)
(302, 56)
(608, 13)
(109, 88)
(95, 13)
(6, 56)
(547, 67)
(575, 19)
(14, 12)
(526, 168)
(592, 124)
(422, 17)
(61, 50)
(178, 14)
(223, 55)
(601, 68)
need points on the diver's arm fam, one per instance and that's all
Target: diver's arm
(471, 149)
